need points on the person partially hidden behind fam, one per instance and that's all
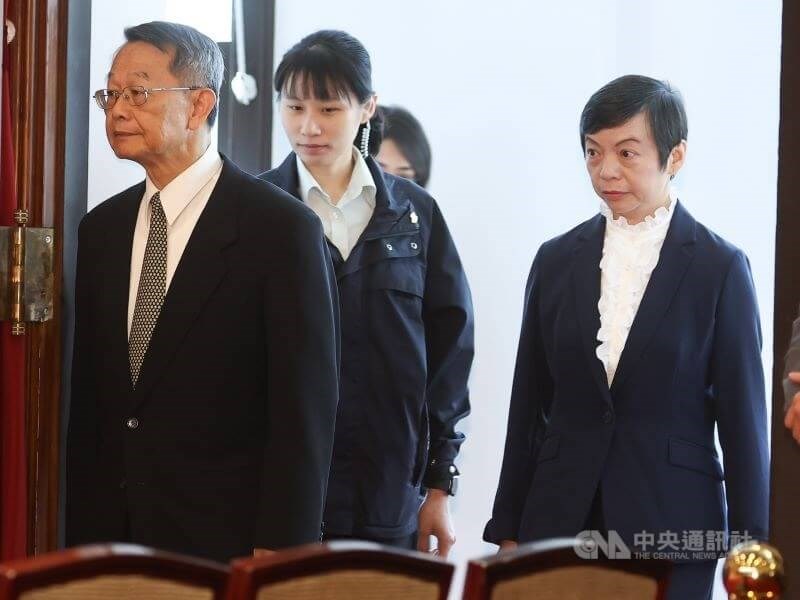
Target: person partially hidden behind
(404, 150)
(205, 370)
(791, 383)
(640, 334)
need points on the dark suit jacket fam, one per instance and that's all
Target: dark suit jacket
(407, 347)
(792, 364)
(225, 443)
(692, 361)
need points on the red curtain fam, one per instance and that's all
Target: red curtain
(13, 462)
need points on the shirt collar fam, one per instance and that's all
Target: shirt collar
(179, 192)
(660, 219)
(360, 181)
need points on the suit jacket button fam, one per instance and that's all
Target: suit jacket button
(608, 417)
(132, 423)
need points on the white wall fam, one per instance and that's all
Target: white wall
(499, 87)
(107, 174)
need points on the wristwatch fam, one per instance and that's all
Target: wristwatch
(446, 481)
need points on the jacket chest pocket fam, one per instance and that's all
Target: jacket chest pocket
(394, 287)
(397, 265)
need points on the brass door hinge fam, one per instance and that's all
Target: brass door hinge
(26, 273)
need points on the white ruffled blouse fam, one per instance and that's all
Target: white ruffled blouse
(630, 253)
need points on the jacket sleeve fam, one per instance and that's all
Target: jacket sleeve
(449, 339)
(792, 363)
(82, 428)
(532, 389)
(301, 316)
(737, 380)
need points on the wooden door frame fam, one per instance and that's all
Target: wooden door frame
(37, 58)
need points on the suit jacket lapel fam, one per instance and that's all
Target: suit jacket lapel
(676, 254)
(285, 176)
(199, 272)
(586, 287)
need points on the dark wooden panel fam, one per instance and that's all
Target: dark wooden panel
(245, 132)
(785, 491)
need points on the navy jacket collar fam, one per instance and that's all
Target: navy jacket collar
(391, 204)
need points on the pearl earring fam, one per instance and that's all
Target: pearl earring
(365, 140)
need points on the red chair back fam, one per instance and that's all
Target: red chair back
(341, 571)
(552, 570)
(114, 572)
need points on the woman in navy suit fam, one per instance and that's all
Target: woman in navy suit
(406, 313)
(640, 334)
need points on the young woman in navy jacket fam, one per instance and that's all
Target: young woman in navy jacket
(406, 312)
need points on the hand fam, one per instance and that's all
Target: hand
(792, 419)
(260, 552)
(434, 519)
(507, 546)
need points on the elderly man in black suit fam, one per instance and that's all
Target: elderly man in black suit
(204, 384)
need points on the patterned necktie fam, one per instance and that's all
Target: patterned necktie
(152, 287)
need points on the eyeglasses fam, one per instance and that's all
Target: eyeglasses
(135, 95)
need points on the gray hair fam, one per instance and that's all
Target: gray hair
(198, 59)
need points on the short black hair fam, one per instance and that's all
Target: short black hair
(197, 59)
(627, 96)
(329, 64)
(406, 131)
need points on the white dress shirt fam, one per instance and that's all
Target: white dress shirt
(183, 199)
(630, 253)
(344, 221)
